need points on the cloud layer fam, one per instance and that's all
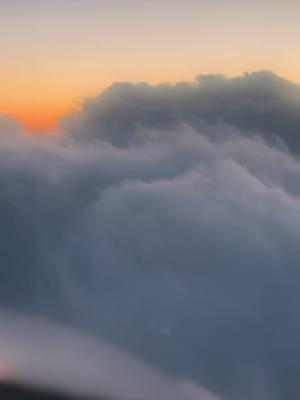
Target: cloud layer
(259, 102)
(167, 219)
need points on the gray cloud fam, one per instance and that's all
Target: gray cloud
(257, 102)
(175, 235)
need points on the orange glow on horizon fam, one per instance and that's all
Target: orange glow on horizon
(54, 55)
(38, 116)
(35, 125)
(39, 124)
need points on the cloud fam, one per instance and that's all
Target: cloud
(173, 234)
(9, 127)
(259, 102)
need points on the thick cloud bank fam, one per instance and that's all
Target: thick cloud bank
(167, 219)
(256, 103)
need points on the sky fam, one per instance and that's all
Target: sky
(55, 53)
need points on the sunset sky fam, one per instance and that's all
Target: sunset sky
(54, 53)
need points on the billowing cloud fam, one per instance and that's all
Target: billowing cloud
(256, 103)
(167, 219)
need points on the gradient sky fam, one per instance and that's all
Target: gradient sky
(56, 52)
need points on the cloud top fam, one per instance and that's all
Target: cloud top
(259, 102)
